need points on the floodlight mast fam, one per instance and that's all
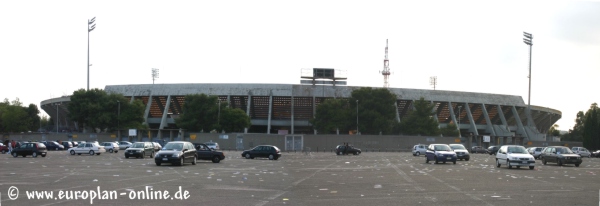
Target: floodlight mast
(154, 74)
(529, 41)
(91, 26)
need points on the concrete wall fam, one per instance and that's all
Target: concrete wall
(314, 142)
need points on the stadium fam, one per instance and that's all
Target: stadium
(287, 108)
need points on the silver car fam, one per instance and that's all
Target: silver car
(111, 147)
(123, 145)
(582, 151)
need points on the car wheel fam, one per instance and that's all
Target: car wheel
(92, 152)
(426, 160)
(339, 153)
(497, 163)
(43, 155)
(126, 157)
(194, 162)
(589, 156)
(3, 152)
(72, 152)
(271, 157)
(247, 156)
(116, 151)
(34, 154)
(56, 149)
(544, 161)
(181, 161)
(14, 154)
(355, 153)
(435, 159)
(531, 167)
(216, 159)
(454, 162)
(467, 159)
(157, 163)
(111, 150)
(418, 154)
(576, 165)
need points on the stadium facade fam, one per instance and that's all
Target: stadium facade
(274, 108)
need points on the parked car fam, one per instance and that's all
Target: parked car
(492, 150)
(440, 153)
(140, 150)
(268, 151)
(67, 145)
(157, 146)
(419, 149)
(561, 155)
(596, 153)
(87, 148)
(478, 149)
(212, 145)
(30, 148)
(111, 147)
(3, 148)
(582, 151)
(123, 145)
(344, 150)
(75, 144)
(536, 152)
(177, 152)
(204, 152)
(53, 145)
(514, 155)
(461, 152)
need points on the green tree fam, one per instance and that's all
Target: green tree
(331, 115)
(98, 110)
(420, 121)
(553, 131)
(376, 110)
(576, 134)
(200, 112)
(591, 128)
(234, 120)
(450, 130)
(16, 118)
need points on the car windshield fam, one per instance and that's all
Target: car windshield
(517, 150)
(563, 150)
(442, 148)
(173, 146)
(137, 145)
(457, 146)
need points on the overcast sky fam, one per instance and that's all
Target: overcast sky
(472, 46)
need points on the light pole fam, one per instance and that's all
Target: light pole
(357, 116)
(57, 121)
(458, 120)
(154, 74)
(529, 41)
(91, 27)
(119, 120)
(219, 113)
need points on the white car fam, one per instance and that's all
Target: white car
(581, 151)
(87, 148)
(212, 145)
(514, 156)
(157, 146)
(419, 149)
(461, 152)
(111, 147)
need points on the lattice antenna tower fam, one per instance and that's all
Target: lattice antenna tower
(154, 74)
(433, 81)
(386, 67)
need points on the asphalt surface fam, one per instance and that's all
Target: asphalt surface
(372, 178)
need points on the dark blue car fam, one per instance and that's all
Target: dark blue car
(440, 153)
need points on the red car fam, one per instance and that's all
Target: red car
(3, 148)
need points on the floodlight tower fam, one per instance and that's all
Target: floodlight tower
(386, 67)
(529, 41)
(433, 81)
(154, 74)
(91, 27)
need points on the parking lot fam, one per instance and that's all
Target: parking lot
(372, 178)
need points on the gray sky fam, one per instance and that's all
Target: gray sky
(473, 46)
